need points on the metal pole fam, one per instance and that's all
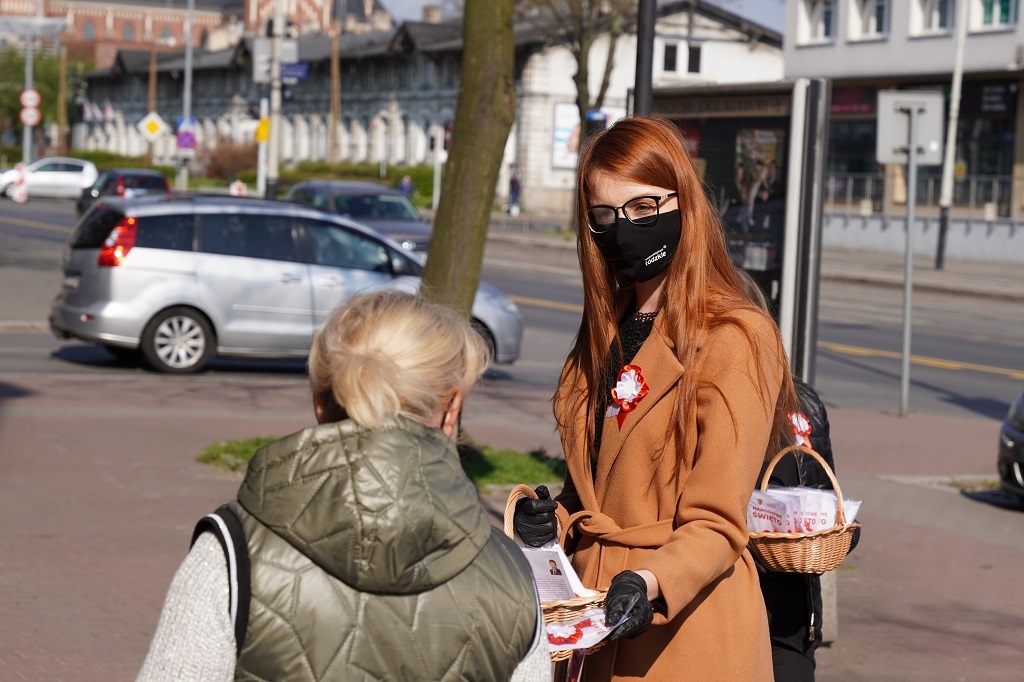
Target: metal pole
(261, 153)
(908, 277)
(949, 159)
(274, 138)
(438, 144)
(643, 98)
(26, 131)
(181, 179)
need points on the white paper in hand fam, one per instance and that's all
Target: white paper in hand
(553, 573)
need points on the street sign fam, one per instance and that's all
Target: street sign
(186, 134)
(29, 117)
(262, 49)
(153, 127)
(893, 126)
(292, 73)
(186, 139)
(263, 129)
(30, 98)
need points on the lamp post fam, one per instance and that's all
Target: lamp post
(26, 131)
(274, 137)
(946, 194)
(642, 94)
(181, 178)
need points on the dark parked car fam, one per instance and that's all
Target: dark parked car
(1011, 450)
(122, 182)
(385, 209)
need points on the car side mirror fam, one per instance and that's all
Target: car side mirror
(400, 265)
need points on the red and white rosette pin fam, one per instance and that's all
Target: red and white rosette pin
(801, 428)
(629, 390)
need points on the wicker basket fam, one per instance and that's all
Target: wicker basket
(815, 552)
(557, 610)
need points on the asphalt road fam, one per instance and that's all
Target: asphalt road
(967, 359)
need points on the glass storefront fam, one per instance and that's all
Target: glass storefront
(984, 147)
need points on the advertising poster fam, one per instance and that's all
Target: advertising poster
(755, 199)
(566, 133)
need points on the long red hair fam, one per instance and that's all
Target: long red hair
(701, 286)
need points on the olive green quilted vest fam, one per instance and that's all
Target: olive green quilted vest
(371, 559)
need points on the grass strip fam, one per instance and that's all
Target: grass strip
(483, 464)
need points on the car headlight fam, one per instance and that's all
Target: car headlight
(1015, 416)
(502, 303)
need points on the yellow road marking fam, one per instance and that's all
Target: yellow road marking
(859, 351)
(553, 305)
(35, 223)
(921, 360)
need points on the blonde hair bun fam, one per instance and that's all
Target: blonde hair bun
(390, 353)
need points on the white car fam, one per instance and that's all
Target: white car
(52, 176)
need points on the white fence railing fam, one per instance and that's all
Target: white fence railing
(992, 198)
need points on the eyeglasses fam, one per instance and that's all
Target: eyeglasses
(639, 211)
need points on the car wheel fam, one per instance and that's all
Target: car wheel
(178, 340)
(121, 353)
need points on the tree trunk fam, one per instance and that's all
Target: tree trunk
(484, 114)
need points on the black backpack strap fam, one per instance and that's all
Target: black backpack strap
(227, 528)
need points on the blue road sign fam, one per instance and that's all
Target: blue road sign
(298, 71)
(186, 139)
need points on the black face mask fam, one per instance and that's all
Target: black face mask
(641, 252)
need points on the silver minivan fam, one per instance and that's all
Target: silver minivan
(184, 279)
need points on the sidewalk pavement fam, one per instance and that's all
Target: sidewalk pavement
(1002, 281)
(99, 491)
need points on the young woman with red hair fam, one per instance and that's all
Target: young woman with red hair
(675, 390)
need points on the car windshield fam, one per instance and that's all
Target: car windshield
(99, 181)
(154, 182)
(375, 207)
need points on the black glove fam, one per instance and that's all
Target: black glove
(534, 520)
(624, 587)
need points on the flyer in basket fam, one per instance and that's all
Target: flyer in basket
(796, 509)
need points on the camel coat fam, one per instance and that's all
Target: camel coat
(681, 514)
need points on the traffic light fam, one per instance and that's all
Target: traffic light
(447, 135)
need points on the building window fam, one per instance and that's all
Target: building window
(871, 20)
(817, 21)
(89, 31)
(939, 14)
(671, 55)
(693, 62)
(128, 33)
(429, 74)
(996, 13)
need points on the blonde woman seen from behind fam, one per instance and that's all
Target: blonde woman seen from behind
(369, 555)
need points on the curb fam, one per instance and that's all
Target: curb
(938, 288)
(885, 279)
(12, 326)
